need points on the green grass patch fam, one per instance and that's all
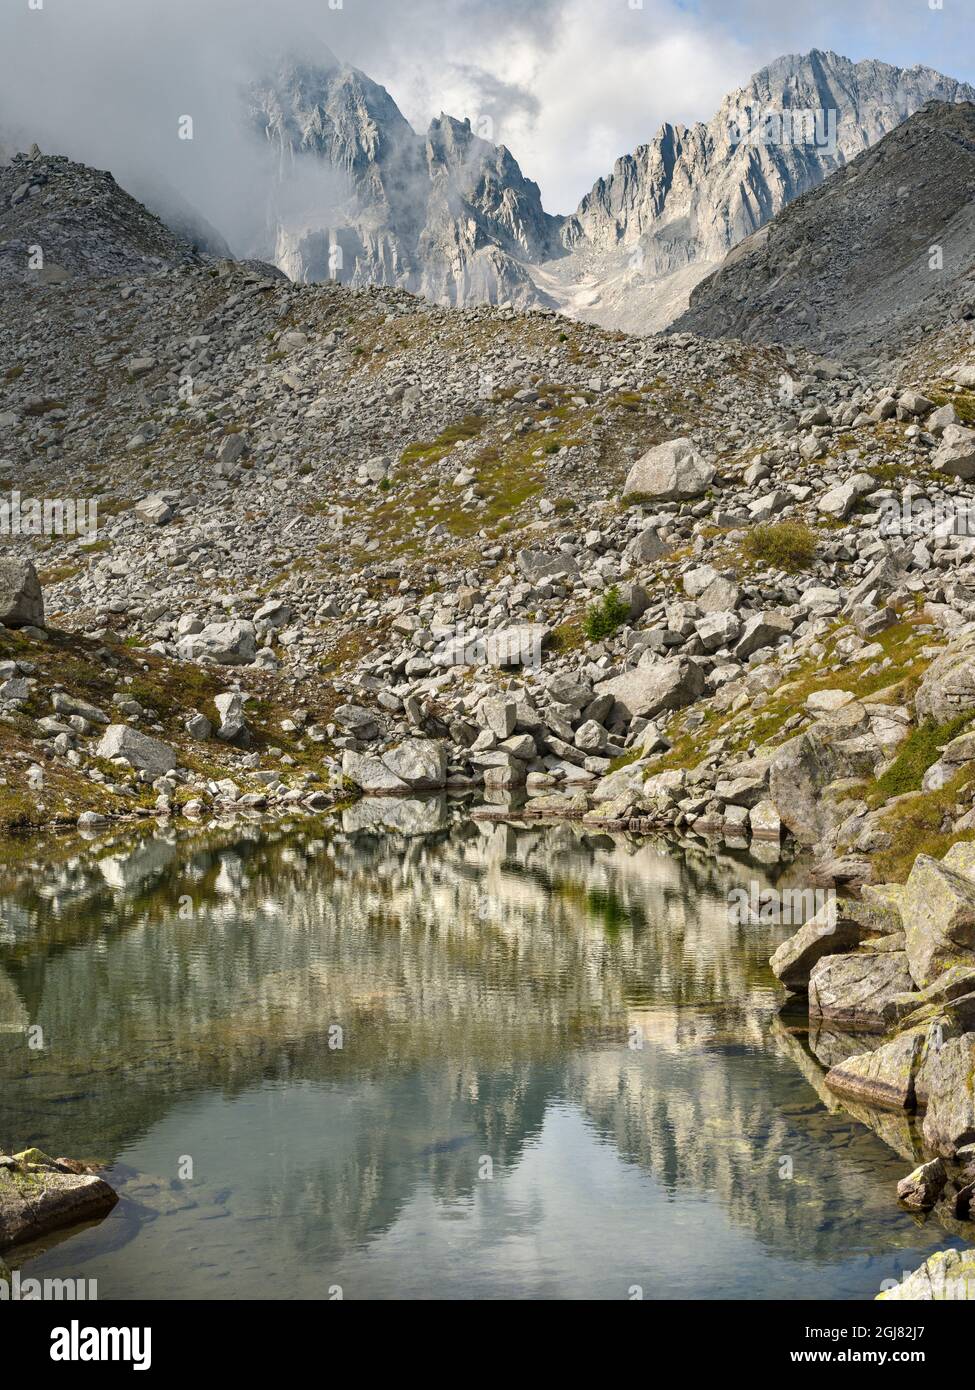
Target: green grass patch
(918, 752)
(781, 545)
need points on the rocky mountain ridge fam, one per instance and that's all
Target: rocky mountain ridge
(452, 217)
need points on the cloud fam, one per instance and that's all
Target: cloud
(569, 85)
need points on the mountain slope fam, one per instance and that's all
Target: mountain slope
(59, 219)
(854, 264)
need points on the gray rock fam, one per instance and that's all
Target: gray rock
(947, 687)
(649, 690)
(949, 1120)
(233, 726)
(420, 763)
(854, 989)
(227, 644)
(138, 749)
(762, 630)
(939, 919)
(199, 727)
(39, 1194)
(646, 547)
(885, 1077)
(824, 935)
(520, 645)
(921, 1189)
(21, 600)
(673, 471)
(370, 774)
(946, 1275)
(799, 771)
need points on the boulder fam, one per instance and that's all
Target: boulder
(947, 687)
(922, 1188)
(939, 919)
(764, 821)
(21, 600)
(886, 1076)
(800, 769)
(139, 750)
(228, 644)
(521, 645)
(956, 982)
(649, 690)
(826, 934)
(39, 1194)
(233, 727)
(761, 630)
(956, 452)
(370, 774)
(671, 472)
(646, 547)
(538, 565)
(420, 763)
(949, 1071)
(854, 989)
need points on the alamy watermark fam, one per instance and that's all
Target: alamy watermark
(754, 905)
(813, 127)
(48, 516)
(21, 1290)
(922, 516)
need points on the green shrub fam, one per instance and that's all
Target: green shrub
(783, 545)
(606, 615)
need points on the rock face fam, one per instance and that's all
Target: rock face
(147, 754)
(448, 215)
(939, 919)
(776, 287)
(40, 1194)
(21, 600)
(669, 472)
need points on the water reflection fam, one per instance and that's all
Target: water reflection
(413, 1054)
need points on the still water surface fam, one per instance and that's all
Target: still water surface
(399, 1054)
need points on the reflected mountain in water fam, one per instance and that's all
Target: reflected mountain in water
(346, 1023)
